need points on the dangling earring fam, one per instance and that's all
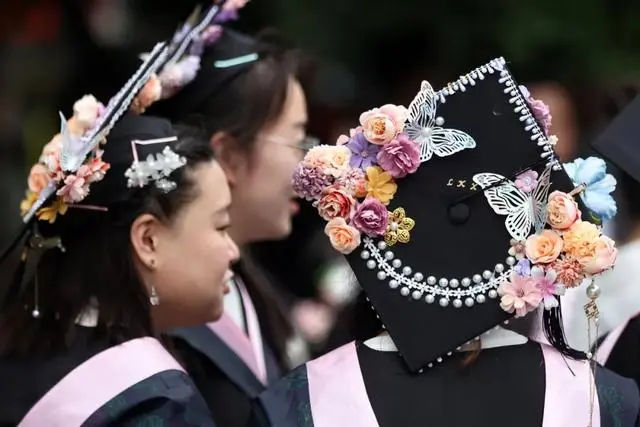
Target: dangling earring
(154, 299)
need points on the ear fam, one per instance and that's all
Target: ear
(144, 239)
(230, 158)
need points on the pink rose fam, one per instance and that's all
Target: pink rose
(38, 178)
(544, 247)
(371, 217)
(562, 210)
(86, 111)
(344, 238)
(604, 257)
(399, 157)
(381, 125)
(335, 203)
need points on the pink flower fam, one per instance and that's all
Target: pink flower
(75, 189)
(540, 110)
(604, 257)
(233, 5)
(97, 169)
(38, 178)
(211, 34)
(520, 295)
(399, 157)
(549, 288)
(562, 210)
(569, 270)
(335, 203)
(381, 125)
(527, 181)
(343, 139)
(87, 110)
(371, 217)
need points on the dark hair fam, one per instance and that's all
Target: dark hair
(98, 259)
(240, 101)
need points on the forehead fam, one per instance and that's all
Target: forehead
(212, 185)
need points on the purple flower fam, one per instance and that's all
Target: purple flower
(309, 182)
(540, 110)
(351, 179)
(527, 181)
(363, 153)
(523, 267)
(371, 217)
(399, 157)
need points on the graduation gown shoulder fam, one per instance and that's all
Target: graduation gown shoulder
(90, 385)
(619, 350)
(527, 385)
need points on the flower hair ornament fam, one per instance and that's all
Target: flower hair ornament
(72, 160)
(187, 46)
(156, 168)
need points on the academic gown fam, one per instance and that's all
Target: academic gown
(619, 350)
(228, 360)
(137, 383)
(526, 385)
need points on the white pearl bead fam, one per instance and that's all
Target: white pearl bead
(493, 294)
(481, 299)
(418, 277)
(487, 274)
(388, 255)
(477, 278)
(450, 353)
(382, 275)
(393, 226)
(365, 254)
(35, 313)
(439, 360)
(454, 283)
(431, 280)
(406, 270)
(404, 292)
(396, 263)
(444, 302)
(457, 303)
(511, 261)
(393, 283)
(443, 282)
(430, 299)
(371, 264)
(499, 268)
(439, 121)
(382, 245)
(416, 294)
(430, 365)
(469, 301)
(466, 282)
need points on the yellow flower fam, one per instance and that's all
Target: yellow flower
(580, 240)
(399, 227)
(380, 185)
(50, 213)
(28, 202)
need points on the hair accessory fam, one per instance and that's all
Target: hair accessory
(72, 160)
(156, 168)
(240, 60)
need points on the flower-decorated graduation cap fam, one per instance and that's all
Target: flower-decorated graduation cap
(455, 214)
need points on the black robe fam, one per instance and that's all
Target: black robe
(624, 357)
(503, 387)
(166, 398)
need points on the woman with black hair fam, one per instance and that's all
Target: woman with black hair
(125, 238)
(456, 218)
(248, 97)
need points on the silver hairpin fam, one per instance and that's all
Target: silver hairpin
(156, 168)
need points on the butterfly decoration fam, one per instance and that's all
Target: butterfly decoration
(426, 129)
(523, 210)
(592, 172)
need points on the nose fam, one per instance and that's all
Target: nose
(234, 251)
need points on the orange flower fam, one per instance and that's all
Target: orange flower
(380, 185)
(38, 178)
(150, 93)
(335, 203)
(580, 240)
(544, 247)
(343, 237)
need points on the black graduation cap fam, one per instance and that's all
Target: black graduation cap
(232, 55)
(438, 290)
(619, 142)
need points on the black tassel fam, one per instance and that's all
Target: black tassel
(554, 331)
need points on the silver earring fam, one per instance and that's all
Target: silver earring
(154, 299)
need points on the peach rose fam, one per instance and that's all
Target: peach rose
(544, 247)
(150, 93)
(604, 256)
(562, 210)
(38, 178)
(580, 240)
(381, 125)
(342, 236)
(86, 111)
(331, 159)
(335, 203)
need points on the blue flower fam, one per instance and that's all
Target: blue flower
(592, 172)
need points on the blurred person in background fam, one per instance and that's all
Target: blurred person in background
(248, 97)
(113, 253)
